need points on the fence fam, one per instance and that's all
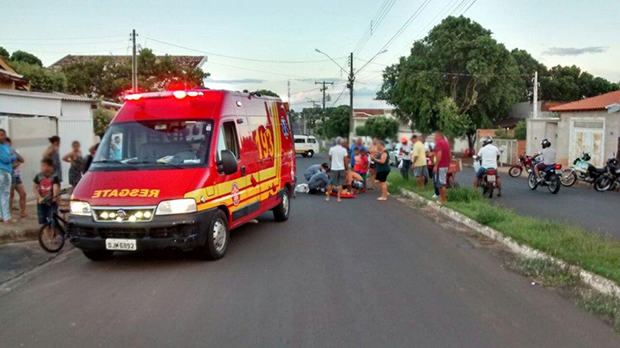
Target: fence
(509, 148)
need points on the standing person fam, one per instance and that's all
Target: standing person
(46, 188)
(53, 154)
(362, 167)
(89, 158)
(16, 181)
(373, 151)
(418, 157)
(359, 146)
(383, 170)
(77, 162)
(405, 155)
(339, 158)
(442, 163)
(6, 169)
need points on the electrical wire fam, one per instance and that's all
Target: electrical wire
(69, 38)
(242, 58)
(374, 24)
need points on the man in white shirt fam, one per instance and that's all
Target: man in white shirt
(339, 159)
(488, 154)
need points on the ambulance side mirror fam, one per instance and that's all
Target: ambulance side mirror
(227, 163)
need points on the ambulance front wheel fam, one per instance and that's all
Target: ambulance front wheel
(281, 211)
(217, 237)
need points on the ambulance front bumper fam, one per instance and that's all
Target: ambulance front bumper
(182, 232)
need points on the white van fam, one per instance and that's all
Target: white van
(306, 145)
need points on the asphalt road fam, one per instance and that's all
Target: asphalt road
(351, 274)
(584, 206)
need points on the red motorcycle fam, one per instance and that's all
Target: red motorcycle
(525, 162)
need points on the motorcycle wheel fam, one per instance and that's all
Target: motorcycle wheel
(553, 184)
(603, 183)
(569, 177)
(531, 181)
(515, 171)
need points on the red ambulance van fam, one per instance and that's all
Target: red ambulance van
(180, 169)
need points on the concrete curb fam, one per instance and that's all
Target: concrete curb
(595, 281)
(19, 235)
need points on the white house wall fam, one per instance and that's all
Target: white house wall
(29, 136)
(75, 124)
(19, 105)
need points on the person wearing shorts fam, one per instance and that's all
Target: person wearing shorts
(443, 153)
(46, 188)
(339, 159)
(383, 170)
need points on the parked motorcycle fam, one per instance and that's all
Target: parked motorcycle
(611, 179)
(581, 170)
(525, 162)
(489, 179)
(550, 177)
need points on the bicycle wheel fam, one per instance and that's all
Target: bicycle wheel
(51, 238)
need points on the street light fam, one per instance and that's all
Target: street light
(330, 58)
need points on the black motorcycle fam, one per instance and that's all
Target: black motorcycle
(550, 177)
(581, 170)
(611, 179)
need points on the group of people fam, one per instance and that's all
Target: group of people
(426, 162)
(47, 182)
(349, 169)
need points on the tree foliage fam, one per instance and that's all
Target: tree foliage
(108, 79)
(569, 83)
(451, 121)
(379, 127)
(101, 120)
(267, 93)
(41, 79)
(21, 56)
(521, 130)
(4, 53)
(458, 60)
(337, 122)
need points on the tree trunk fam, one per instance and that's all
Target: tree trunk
(471, 139)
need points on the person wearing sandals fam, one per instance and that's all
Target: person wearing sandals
(77, 163)
(6, 170)
(16, 182)
(383, 170)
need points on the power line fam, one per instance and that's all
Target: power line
(61, 44)
(374, 24)
(340, 95)
(242, 58)
(470, 5)
(68, 38)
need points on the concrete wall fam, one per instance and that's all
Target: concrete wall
(29, 136)
(76, 124)
(539, 129)
(611, 132)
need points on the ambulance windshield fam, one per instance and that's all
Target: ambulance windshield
(154, 144)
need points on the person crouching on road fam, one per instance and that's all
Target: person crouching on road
(383, 170)
(319, 182)
(418, 157)
(315, 168)
(354, 182)
(46, 189)
(339, 158)
(6, 170)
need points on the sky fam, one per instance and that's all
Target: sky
(267, 44)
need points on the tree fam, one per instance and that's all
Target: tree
(453, 123)
(101, 120)
(458, 60)
(527, 66)
(266, 92)
(4, 53)
(521, 130)
(108, 79)
(41, 79)
(570, 83)
(21, 56)
(379, 127)
(337, 123)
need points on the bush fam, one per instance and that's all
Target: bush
(521, 130)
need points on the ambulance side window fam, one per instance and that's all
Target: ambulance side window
(227, 140)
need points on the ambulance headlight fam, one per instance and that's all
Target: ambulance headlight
(176, 206)
(80, 208)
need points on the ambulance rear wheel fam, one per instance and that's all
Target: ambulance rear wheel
(281, 212)
(217, 237)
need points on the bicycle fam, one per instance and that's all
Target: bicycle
(53, 234)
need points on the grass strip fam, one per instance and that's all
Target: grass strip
(573, 244)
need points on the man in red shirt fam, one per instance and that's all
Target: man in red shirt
(442, 163)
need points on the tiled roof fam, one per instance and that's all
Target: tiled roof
(48, 95)
(590, 104)
(370, 112)
(187, 62)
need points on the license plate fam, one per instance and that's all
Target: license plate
(121, 244)
(491, 178)
(559, 172)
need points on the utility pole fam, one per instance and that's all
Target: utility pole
(134, 64)
(535, 114)
(350, 86)
(323, 89)
(288, 85)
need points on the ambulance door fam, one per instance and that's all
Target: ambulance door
(230, 187)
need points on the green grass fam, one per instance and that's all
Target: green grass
(573, 244)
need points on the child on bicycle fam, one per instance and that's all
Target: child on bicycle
(46, 188)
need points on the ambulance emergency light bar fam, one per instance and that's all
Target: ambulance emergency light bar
(176, 94)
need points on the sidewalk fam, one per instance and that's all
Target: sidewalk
(23, 230)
